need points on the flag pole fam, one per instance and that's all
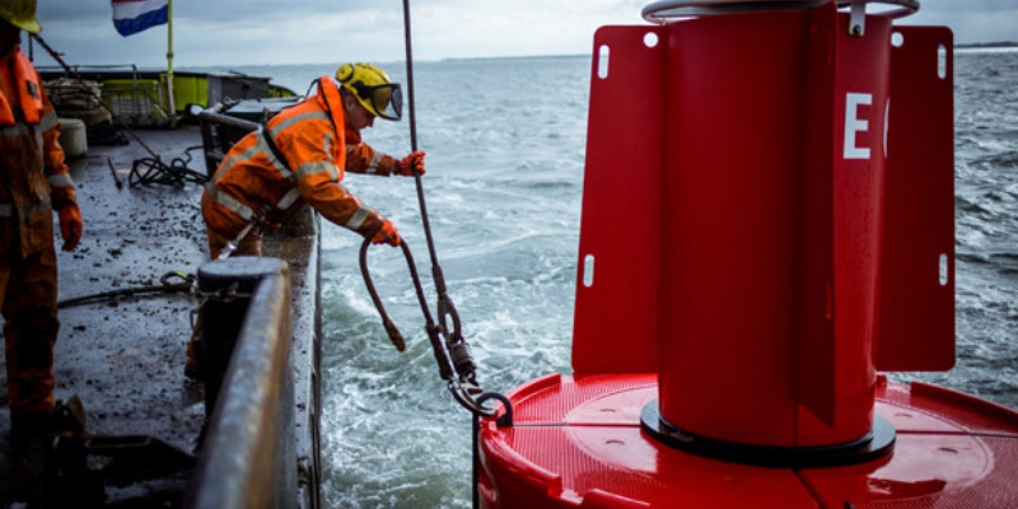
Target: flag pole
(169, 62)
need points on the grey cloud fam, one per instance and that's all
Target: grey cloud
(211, 10)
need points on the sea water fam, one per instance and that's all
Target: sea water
(505, 142)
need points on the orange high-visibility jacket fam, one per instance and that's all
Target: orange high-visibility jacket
(34, 179)
(252, 184)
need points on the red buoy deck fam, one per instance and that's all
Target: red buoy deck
(767, 224)
(579, 443)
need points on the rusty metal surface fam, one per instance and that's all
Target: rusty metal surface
(298, 244)
(247, 457)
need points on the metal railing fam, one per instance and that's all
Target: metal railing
(128, 95)
(248, 458)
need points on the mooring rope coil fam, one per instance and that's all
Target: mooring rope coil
(152, 170)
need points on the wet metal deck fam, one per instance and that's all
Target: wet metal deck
(124, 358)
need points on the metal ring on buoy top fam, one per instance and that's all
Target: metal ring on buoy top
(905, 7)
(661, 12)
(665, 10)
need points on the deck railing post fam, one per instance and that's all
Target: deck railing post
(247, 456)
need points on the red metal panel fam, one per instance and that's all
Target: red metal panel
(917, 281)
(616, 325)
(730, 232)
(815, 360)
(861, 89)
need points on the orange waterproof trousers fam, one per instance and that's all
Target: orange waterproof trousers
(250, 245)
(28, 293)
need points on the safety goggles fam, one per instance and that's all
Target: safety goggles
(386, 100)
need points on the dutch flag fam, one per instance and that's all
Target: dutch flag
(133, 16)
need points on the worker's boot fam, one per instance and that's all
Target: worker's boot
(31, 450)
(26, 460)
(68, 418)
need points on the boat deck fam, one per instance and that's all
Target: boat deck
(124, 357)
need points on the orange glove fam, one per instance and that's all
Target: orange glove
(387, 234)
(411, 165)
(70, 226)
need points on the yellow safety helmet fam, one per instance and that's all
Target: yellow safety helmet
(373, 89)
(20, 13)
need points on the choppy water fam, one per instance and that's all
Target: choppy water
(505, 142)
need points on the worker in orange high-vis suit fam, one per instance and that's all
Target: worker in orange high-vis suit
(301, 158)
(34, 182)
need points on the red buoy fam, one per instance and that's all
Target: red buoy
(577, 442)
(768, 222)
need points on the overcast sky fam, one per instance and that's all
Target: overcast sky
(251, 32)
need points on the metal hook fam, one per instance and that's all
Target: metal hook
(507, 418)
(461, 395)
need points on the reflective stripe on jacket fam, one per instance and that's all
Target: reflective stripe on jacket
(34, 179)
(251, 183)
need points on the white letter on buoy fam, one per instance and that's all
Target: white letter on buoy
(853, 125)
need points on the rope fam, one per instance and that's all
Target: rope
(445, 366)
(152, 170)
(412, 111)
(452, 354)
(464, 364)
(107, 133)
(452, 357)
(446, 309)
(164, 286)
